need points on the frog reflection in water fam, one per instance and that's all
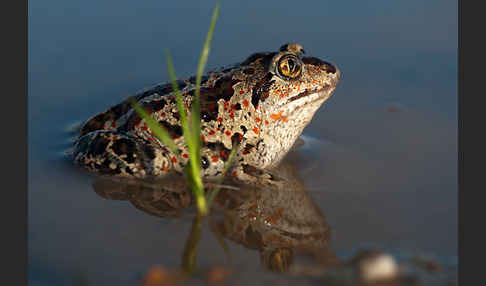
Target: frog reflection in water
(278, 222)
(261, 105)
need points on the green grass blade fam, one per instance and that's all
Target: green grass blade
(207, 44)
(158, 130)
(195, 146)
(192, 141)
(178, 96)
(196, 114)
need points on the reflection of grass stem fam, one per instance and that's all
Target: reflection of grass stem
(219, 237)
(190, 249)
(191, 128)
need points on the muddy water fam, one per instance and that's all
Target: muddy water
(380, 160)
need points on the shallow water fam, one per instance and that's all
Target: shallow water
(380, 164)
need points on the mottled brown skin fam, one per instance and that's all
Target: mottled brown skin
(259, 106)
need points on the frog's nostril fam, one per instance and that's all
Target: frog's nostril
(330, 68)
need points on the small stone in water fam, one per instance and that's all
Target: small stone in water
(157, 276)
(374, 266)
(217, 274)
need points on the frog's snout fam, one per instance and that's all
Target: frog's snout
(333, 72)
(333, 69)
(323, 65)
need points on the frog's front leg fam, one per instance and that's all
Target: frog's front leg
(122, 154)
(251, 175)
(214, 157)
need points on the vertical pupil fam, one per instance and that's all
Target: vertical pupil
(291, 65)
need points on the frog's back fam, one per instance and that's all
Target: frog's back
(259, 106)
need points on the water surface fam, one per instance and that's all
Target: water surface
(384, 170)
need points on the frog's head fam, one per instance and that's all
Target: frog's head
(287, 89)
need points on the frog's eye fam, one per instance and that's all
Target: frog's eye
(289, 66)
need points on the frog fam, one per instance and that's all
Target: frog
(258, 107)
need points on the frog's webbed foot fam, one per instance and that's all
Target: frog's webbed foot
(251, 175)
(121, 154)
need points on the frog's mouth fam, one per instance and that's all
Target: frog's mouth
(313, 95)
(321, 93)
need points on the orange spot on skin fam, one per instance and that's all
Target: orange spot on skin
(220, 119)
(252, 207)
(226, 109)
(185, 155)
(276, 116)
(258, 119)
(273, 219)
(266, 121)
(226, 103)
(214, 158)
(212, 132)
(223, 154)
(256, 130)
(241, 92)
(244, 152)
(217, 129)
(203, 139)
(246, 103)
(233, 106)
(174, 159)
(252, 216)
(163, 114)
(113, 124)
(235, 174)
(284, 118)
(144, 128)
(227, 132)
(165, 168)
(231, 115)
